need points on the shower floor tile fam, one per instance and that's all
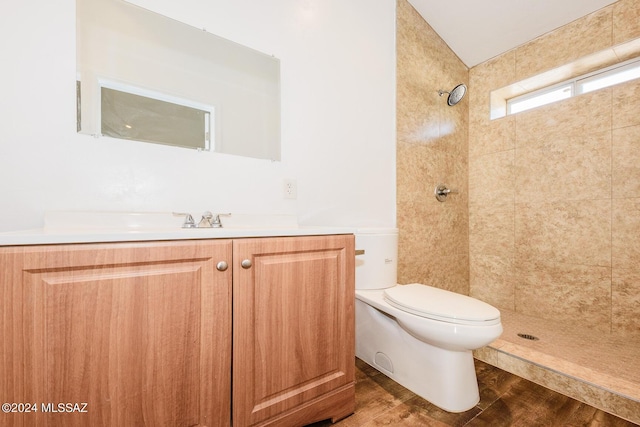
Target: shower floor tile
(609, 362)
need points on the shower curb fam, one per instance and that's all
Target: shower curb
(507, 357)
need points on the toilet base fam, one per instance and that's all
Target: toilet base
(445, 378)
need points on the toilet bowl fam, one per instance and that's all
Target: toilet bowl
(420, 336)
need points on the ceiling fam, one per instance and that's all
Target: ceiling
(479, 30)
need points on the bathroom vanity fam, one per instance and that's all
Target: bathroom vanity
(203, 331)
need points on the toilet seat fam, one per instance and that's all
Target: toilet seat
(442, 305)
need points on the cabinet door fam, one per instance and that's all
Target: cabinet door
(293, 330)
(139, 332)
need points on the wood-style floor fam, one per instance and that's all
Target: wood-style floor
(505, 400)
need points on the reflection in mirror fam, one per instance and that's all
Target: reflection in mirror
(128, 116)
(179, 85)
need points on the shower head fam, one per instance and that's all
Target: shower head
(456, 94)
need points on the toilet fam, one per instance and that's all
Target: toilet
(420, 336)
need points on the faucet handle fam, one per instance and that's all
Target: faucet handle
(441, 192)
(216, 223)
(210, 220)
(188, 219)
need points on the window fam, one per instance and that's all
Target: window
(538, 98)
(619, 73)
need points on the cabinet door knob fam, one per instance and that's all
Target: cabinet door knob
(222, 266)
(246, 263)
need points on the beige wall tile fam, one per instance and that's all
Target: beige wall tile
(564, 168)
(434, 229)
(425, 64)
(626, 162)
(491, 230)
(625, 236)
(572, 294)
(441, 271)
(586, 35)
(490, 136)
(432, 148)
(626, 104)
(492, 280)
(491, 179)
(417, 100)
(486, 135)
(575, 232)
(417, 116)
(625, 291)
(419, 264)
(454, 129)
(579, 116)
(626, 20)
(435, 125)
(494, 73)
(419, 169)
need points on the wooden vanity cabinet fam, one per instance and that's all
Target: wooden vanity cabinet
(140, 332)
(293, 330)
(144, 332)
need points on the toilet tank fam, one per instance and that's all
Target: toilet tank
(377, 268)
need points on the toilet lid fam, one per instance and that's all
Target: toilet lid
(439, 304)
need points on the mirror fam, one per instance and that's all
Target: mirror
(146, 77)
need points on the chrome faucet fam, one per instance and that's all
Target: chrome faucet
(210, 220)
(188, 220)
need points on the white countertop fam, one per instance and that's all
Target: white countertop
(95, 227)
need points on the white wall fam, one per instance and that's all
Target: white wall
(338, 119)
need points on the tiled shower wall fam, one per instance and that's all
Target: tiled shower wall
(432, 148)
(554, 193)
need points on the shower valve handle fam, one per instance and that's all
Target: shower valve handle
(442, 192)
